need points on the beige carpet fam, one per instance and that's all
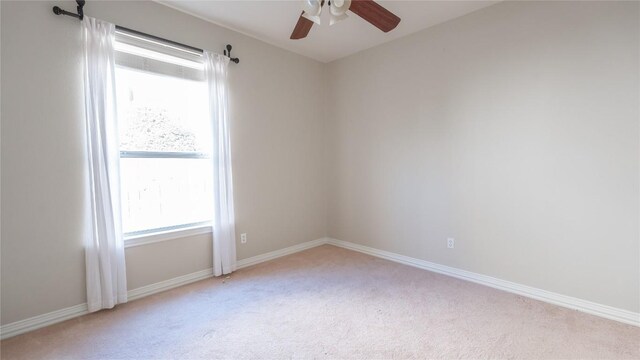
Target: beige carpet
(329, 302)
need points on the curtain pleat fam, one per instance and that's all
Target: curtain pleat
(224, 238)
(104, 245)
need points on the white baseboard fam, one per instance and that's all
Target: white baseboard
(279, 253)
(36, 322)
(168, 284)
(207, 273)
(589, 307)
(605, 311)
(40, 321)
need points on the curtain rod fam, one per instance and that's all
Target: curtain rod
(80, 15)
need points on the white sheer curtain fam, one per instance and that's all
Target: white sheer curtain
(104, 245)
(224, 229)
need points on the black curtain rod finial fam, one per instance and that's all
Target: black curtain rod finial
(58, 11)
(80, 15)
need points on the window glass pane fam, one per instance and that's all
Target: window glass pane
(164, 130)
(158, 193)
(161, 113)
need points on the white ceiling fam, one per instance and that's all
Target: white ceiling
(273, 21)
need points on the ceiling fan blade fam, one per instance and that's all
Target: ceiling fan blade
(302, 28)
(375, 14)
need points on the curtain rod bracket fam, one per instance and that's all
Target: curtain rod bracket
(80, 10)
(227, 52)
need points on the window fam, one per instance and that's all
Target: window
(165, 167)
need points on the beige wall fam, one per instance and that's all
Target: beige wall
(277, 138)
(514, 130)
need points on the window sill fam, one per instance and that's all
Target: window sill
(166, 235)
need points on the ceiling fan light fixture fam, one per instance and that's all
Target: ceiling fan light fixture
(339, 7)
(336, 18)
(312, 9)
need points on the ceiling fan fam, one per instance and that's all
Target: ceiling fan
(369, 10)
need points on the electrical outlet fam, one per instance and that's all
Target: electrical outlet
(243, 238)
(450, 243)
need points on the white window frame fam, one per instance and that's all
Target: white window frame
(190, 60)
